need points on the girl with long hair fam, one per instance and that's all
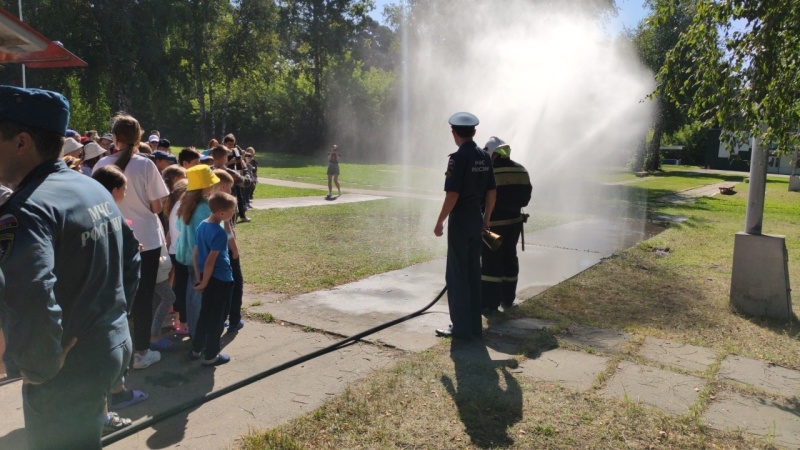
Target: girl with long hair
(144, 200)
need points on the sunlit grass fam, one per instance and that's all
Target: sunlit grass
(298, 250)
(272, 191)
(362, 176)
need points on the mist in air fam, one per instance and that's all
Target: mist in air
(548, 80)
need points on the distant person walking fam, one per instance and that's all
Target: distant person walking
(470, 188)
(333, 171)
(500, 268)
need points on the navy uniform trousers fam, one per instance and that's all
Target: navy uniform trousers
(464, 263)
(66, 411)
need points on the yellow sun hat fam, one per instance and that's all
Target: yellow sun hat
(200, 177)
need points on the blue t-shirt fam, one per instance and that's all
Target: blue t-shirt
(209, 237)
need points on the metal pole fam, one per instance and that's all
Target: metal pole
(758, 184)
(19, 2)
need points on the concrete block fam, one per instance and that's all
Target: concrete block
(777, 421)
(687, 357)
(794, 183)
(768, 377)
(670, 391)
(760, 277)
(603, 340)
(576, 370)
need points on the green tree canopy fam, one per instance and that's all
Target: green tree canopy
(738, 61)
(654, 38)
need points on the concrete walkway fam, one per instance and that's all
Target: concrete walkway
(354, 190)
(664, 374)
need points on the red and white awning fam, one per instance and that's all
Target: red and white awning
(19, 43)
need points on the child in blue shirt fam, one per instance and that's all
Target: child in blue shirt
(212, 267)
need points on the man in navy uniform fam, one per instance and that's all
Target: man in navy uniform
(500, 268)
(70, 264)
(470, 189)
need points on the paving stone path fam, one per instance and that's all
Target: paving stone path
(729, 391)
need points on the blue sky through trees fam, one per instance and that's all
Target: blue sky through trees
(631, 12)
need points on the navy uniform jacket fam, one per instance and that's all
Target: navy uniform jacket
(71, 265)
(513, 189)
(469, 172)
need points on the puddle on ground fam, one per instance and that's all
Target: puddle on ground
(668, 218)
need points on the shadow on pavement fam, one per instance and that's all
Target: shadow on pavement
(14, 439)
(487, 405)
(174, 381)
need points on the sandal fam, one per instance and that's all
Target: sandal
(136, 396)
(164, 344)
(115, 423)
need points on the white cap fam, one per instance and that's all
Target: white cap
(153, 138)
(92, 150)
(70, 145)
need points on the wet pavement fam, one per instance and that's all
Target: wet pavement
(663, 374)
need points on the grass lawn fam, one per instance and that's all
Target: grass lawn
(362, 176)
(433, 400)
(298, 250)
(272, 191)
(677, 179)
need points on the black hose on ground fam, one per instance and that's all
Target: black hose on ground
(163, 415)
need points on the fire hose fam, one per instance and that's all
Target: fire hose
(193, 403)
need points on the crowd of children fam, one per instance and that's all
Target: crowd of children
(182, 208)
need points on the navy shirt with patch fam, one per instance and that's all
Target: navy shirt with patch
(71, 266)
(469, 172)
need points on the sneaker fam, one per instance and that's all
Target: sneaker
(218, 361)
(245, 220)
(340, 193)
(149, 358)
(113, 422)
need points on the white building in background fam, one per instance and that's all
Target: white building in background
(781, 164)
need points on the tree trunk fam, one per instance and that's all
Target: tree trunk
(199, 92)
(225, 107)
(653, 162)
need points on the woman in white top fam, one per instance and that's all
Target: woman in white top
(143, 200)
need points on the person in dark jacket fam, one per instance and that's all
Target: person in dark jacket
(470, 190)
(500, 268)
(70, 267)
